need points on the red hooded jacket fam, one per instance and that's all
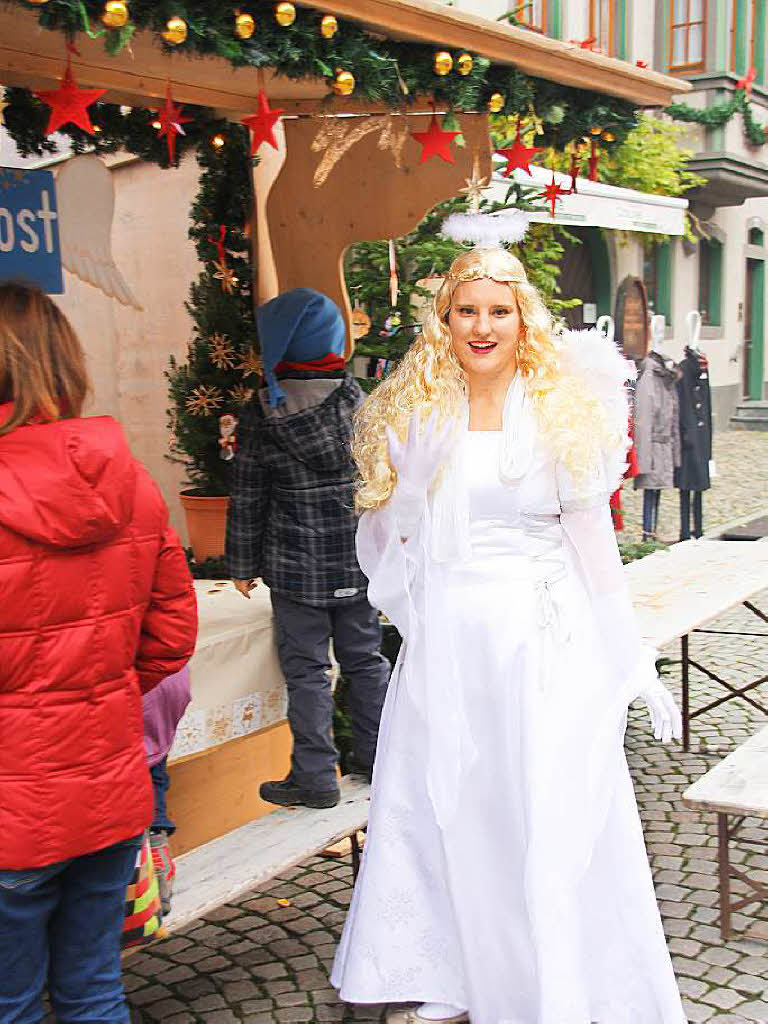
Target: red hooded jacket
(96, 607)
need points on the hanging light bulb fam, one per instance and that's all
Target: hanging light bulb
(218, 141)
(115, 14)
(175, 31)
(344, 84)
(329, 26)
(443, 62)
(285, 14)
(464, 63)
(245, 26)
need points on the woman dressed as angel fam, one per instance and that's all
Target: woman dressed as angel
(505, 878)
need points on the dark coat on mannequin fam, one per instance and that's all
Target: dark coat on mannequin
(695, 404)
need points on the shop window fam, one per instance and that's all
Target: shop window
(687, 29)
(657, 274)
(710, 281)
(531, 14)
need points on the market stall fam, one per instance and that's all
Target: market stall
(326, 123)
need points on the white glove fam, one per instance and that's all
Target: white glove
(666, 720)
(416, 463)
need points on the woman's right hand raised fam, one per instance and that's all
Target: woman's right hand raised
(417, 461)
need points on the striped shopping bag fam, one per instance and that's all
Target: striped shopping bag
(143, 916)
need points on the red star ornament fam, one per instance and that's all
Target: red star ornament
(552, 193)
(171, 120)
(69, 105)
(262, 124)
(518, 155)
(435, 142)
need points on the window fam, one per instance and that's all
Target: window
(710, 281)
(532, 14)
(687, 28)
(756, 237)
(657, 268)
(601, 24)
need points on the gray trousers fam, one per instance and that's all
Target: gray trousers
(303, 632)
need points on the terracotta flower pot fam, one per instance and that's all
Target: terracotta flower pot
(206, 524)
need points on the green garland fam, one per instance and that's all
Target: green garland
(720, 114)
(386, 71)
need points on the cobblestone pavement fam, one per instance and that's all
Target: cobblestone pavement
(261, 961)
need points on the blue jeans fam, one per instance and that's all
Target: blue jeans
(161, 780)
(61, 924)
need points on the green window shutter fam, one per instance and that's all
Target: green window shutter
(739, 53)
(555, 19)
(758, 34)
(621, 42)
(710, 282)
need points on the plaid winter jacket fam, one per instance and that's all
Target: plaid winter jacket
(291, 511)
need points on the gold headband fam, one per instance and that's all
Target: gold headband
(479, 273)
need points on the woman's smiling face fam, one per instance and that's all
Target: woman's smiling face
(485, 323)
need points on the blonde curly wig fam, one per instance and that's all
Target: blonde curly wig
(572, 423)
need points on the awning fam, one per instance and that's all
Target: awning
(595, 204)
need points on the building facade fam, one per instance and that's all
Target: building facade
(712, 44)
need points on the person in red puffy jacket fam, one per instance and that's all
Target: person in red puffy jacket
(96, 607)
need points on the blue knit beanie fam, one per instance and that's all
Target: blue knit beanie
(299, 325)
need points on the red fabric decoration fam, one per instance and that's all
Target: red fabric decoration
(641, 63)
(328, 363)
(553, 192)
(435, 142)
(171, 120)
(262, 124)
(745, 83)
(218, 243)
(69, 105)
(518, 155)
(584, 44)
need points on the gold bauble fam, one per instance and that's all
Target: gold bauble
(175, 31)
(496, 103)
(344, 84)
(329, 26)
(115, 14)
(285, 14)
(464, 63)
(609, 136)
(443, 62)
(217, 141)
(245, 26)
(596, 130)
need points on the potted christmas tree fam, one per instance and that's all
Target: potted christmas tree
(209, 389)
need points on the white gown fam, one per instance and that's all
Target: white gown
(504, 869)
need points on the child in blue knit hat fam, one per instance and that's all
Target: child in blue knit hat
(292, 523)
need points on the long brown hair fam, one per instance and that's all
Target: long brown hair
(42, 363)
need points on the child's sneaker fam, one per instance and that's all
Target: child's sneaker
(165, 869)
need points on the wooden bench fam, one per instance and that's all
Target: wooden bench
(735, 789)
(679, 591)
(245, 858)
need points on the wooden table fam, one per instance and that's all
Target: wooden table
(736, 788)
(678, 591)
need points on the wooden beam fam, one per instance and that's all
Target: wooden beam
(34, 58)
(428, 22)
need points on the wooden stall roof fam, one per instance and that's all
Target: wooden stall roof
(33, 57)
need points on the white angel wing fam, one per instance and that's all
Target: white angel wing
(597, 362)
(86, 203)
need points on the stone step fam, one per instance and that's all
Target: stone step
(750, 415)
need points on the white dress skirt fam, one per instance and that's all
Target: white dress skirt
(477, 911)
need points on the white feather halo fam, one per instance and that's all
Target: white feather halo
(486, 230)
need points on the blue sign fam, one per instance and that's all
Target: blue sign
(29, 234)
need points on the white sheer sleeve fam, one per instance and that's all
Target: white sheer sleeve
(588, 527)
